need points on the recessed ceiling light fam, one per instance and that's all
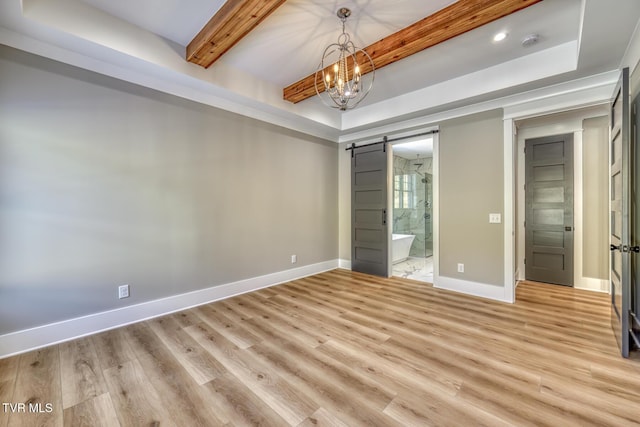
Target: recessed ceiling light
(500, 36)
(530, 40)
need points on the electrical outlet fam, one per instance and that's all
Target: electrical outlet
(294, 259)
(460, 268)
(123, 291)
(495, 218)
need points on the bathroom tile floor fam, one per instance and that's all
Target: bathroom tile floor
(415, 268)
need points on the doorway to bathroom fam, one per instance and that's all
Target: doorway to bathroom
(412, 235)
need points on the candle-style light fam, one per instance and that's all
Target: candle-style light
(343, 83)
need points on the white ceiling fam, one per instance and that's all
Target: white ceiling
(143, 41)
(415, 149)
(176, 20)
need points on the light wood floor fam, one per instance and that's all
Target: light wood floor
(342, 348)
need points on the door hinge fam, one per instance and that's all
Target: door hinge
(525, 261)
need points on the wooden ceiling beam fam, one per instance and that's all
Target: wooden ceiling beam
(452, 21)
(234, 20)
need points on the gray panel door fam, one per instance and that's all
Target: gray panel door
(635, 227)
(620, 219)
(549, 209)
(369, 233)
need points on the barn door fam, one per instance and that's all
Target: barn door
(369, 230)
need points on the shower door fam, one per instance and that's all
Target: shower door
(422, 215)
(428, 215)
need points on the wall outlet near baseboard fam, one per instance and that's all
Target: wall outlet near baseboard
(123, 291)
(460, 268)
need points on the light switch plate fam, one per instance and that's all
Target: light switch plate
(495, 218)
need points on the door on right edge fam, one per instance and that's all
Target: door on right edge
(620, 240)
(549, 209)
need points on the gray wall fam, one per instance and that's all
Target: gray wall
(104, 183)
(471, 182)
(595, 203)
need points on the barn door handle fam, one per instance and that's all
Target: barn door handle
(568, 228)
(384, 217)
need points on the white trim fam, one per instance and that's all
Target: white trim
(563, 102)
(54, 333)
(498, 293)
(578, 207)
(389, 219)
(344, 263)
(520, 208)
(560, 127)
(436, 208)
(583, 92)
(509, 211)
(593, 284)
(545, 63)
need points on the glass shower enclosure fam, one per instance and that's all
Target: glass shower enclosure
(413, 203)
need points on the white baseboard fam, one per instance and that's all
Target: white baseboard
(54, 333)
(344, 263)
(592, 284)
(498, 293)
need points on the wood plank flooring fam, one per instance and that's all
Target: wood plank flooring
(341, 349)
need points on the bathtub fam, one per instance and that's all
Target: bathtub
(400, 247)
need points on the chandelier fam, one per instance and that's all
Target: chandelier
(345, 73)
